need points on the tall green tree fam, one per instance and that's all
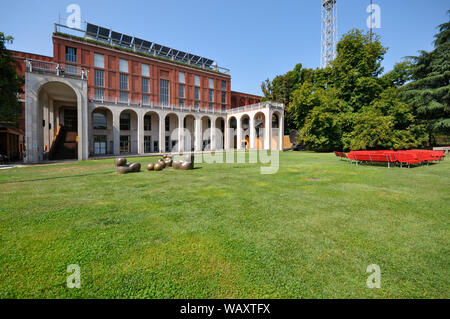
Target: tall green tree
(10, 85)
(429, 91)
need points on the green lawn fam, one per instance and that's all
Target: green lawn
(225, 230)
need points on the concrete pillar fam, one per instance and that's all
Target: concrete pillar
(140, 132)
(162, 132)
(281, 131)
(226, 132)
(252, 135)
(267, 130)
(180, 133)
(198, 133)
(83, 120)
(213, 134)
(239, 133)
(116, 131)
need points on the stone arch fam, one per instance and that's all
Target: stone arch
(259, 120)
(151, 132)
(101, 133)
(171, 132)
(128, 126)
(206, 125)
(220, 133)
(41, 94)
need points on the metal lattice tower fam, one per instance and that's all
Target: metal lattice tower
(329, 32)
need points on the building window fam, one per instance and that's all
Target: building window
(147, 144)
(99, 144)
(164, 92)
(99, 78)
(99, 119)
(123, 66)
(181, 103)
(223, 108)
(224, 86)
(197, 80)
(145, 70)
(125, 121)
(124, 144)
(211, 106)
(99, 60)
(145, 99)
(211, 96)
(147, 123)
(181, 78)
(167, 124)
(155, 146)
(145, 85)
(124, 97)
(123, 81)
(99, 94)
(71, 55)
(196, 105)
(181, 90)
(211, 83)
(197, 93)
(224, 97)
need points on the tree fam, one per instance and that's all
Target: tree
(10, 85)
(429, 91)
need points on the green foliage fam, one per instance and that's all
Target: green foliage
(429, 91)
(349, 104)
(10, 85)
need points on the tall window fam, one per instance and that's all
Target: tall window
(197, 93)
(224, 86)
(181, 103)
(99, 119)
(125, 121)
(145, 70)
(167, 124)
(181, 78)
(124, 144)
(124, 97)
(147, 123)
(147, 144)
(145, 85)
(71, 55)
(211, 106)
(99, 78)
(123, 66)
(224, 97)
(181, 90)
(145, 99)
(124, 82)
(197, 80)
(211, 83)
(99, 94)
(211, 96)
(164, 92)
(196, 105)
(99, 60)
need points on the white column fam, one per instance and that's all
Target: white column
(162, 132)
(213, 134)
(180, 133)
(281, 131)
(116, 131)
(140, 133)
(83, 123)
(267, 130)
(226, 142)
(252, 132)
(239, 133)
(198, 134)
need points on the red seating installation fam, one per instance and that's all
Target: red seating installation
(393, 157)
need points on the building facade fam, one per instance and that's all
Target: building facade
(105, 93)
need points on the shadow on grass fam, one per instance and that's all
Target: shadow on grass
(54, 178)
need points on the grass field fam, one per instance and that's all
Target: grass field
(225, 230)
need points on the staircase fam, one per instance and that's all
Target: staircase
(64, 145)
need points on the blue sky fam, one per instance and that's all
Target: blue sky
(255, 39)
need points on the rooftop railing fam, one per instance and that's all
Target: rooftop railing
(59, 69)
